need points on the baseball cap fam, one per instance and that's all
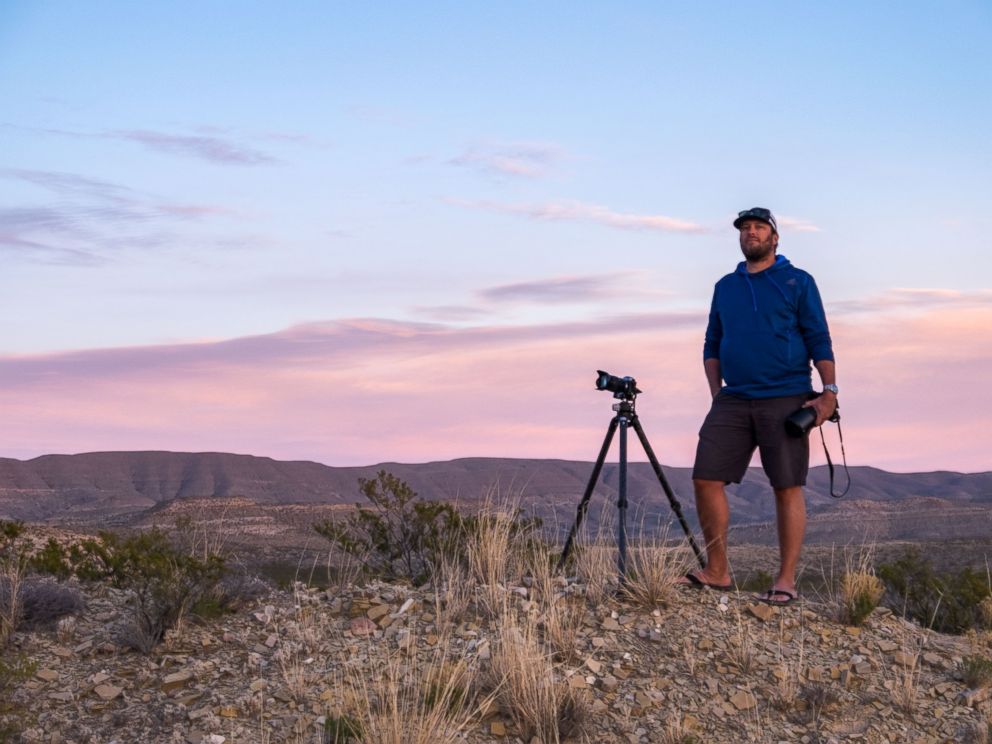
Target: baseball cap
(756, 213)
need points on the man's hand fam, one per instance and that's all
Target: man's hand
(824, 404)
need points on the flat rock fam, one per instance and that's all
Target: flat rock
(107, 692)
(377, 611)
(176, 680)
(362, 626)
(763, 612)
(743, 700)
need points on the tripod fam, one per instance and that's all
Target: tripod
(626, 417)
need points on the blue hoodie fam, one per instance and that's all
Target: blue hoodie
(765, 328)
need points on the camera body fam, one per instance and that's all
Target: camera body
(624, 388)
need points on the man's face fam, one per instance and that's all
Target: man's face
(758, 240)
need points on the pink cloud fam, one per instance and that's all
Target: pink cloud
(365, 391)
(526, 159)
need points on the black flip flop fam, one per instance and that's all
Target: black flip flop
(769, 597)
(697, 583)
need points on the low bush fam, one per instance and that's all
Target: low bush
(163, 582)
(399, 535)
(13, 672)
(14, 558)
(234, 591)
(976, 671)
(52, 560)
(949, 602)
(341, 730)
(44, 602)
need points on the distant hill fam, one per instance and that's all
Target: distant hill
(123, 486)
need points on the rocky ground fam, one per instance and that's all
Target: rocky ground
(706, 667)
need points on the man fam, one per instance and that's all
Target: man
(766, 324)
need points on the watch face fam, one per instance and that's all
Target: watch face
(832, 388)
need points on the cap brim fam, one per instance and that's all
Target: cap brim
(739, 220)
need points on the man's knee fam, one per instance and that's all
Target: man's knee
(789, 494)
(707, 488)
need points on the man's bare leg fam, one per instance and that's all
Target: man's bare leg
(714, 518)
(790, 510)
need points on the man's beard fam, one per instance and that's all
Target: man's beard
(757, 251)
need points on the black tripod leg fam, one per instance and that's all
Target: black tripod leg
(622, 505)
(580, 513)
(674, 502)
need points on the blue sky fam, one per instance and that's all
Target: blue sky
(194, 175)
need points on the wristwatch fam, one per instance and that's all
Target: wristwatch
(832, 388)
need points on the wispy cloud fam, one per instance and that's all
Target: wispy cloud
(213, 149)
(560, 289)
(795, 224)
(571, 211)
(90, 218)
(213, 144)
(916, 299)
(523, 159)
(450, 313)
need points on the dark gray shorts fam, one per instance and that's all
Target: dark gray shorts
(734, 427)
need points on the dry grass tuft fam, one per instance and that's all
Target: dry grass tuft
(528, 689)
(453, 591)
(404, 703)
(677, 733)
(905, 684)
(740, 651)
(595, 561)
(985, 610)
(561, 615)
(818, 696)
(861, 590)
(789, 673)
(493, 552)
(653, 571)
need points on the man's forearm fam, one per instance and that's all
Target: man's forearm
(712, 369)
(827, 370)
(826, 403)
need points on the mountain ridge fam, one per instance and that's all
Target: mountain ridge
(89, 488)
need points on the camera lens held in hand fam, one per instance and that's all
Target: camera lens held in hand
(799, 423)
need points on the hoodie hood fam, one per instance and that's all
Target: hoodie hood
(781, 264)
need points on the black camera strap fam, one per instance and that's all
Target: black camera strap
(830, 463)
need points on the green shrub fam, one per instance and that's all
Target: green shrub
(949, 603)
(976, 671)
(163, 582)
(53, 560)
(14, 558)
(13, 671)
(403, 537)
(400, 537)
(757, 581)
(341, 729)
